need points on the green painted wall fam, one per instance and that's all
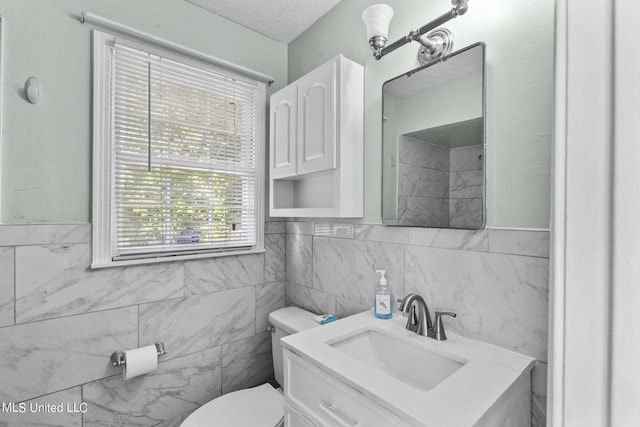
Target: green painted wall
(520, 51)
(450, 102)
(46, 162)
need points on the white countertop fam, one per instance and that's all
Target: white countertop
(460, 400)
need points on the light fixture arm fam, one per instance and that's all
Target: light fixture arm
(459, 8)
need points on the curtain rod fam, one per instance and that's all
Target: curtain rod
(86, 17)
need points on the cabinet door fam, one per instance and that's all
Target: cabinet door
(282, 140)
(317, 120)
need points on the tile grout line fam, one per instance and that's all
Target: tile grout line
(15, 287)
(255, 310)
(460, 249)
(313, 236)
(90, 312)
(404, 272)
(54, 392)
(82, 400)
(138, 323)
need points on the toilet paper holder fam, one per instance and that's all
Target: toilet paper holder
(117, 357)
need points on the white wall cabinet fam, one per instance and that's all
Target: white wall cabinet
(316, 143)
(317, 112)
(283, 133)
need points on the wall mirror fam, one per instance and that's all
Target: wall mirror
(433, 133)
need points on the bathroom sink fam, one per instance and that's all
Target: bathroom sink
(400, 358)
(418, 380)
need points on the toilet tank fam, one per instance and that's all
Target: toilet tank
(287, 321)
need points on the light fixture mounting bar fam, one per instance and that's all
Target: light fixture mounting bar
(459, 8)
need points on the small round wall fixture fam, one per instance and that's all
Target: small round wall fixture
(32, 90)
(435, 45)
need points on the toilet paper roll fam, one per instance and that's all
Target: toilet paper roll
(140, 361)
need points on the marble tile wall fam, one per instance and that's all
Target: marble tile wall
(465, 186)
(7, 290)
(438, 186)
(496, 280)
(423, 182)
(60, 322)
(417, 152)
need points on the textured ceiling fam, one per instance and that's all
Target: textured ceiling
(281, 20)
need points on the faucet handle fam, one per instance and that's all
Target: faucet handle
(412, 319)
(439, 327)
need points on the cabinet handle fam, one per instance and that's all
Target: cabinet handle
(331, 410)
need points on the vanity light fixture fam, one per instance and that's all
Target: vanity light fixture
(377, 18)
(434, 44)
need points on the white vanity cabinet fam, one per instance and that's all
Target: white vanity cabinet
(363, 371)
(314, 398)
(293, 418)
(316, 143)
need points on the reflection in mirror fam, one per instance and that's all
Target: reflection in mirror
(434, 143)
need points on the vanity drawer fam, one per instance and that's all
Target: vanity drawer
(329, 401)
(293, 418)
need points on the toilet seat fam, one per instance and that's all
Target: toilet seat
(260, 406)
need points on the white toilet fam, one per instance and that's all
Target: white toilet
(260, 406)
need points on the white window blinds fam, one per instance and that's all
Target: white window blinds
(184, 157)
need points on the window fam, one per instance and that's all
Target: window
(178, 157)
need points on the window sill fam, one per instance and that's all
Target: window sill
(155, 260)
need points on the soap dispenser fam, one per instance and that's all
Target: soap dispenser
(382, 303)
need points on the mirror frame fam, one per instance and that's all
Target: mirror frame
(484, 136)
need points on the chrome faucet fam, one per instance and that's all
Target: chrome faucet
(419, 320)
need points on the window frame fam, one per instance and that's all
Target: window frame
(103, 210)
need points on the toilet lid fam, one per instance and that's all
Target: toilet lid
(253, 407)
